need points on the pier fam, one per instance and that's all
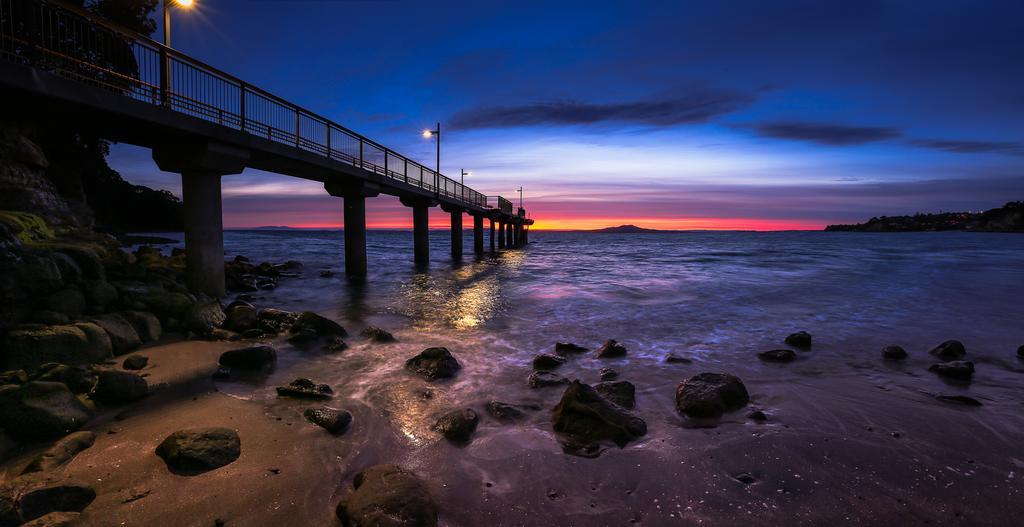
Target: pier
(64, 63)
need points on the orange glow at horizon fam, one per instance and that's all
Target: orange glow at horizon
(583, 223)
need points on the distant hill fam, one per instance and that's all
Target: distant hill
(624, 229)
(1008, 218)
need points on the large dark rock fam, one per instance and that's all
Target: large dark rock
(458, 426)
(99, 293)
(545, 379)
(377, 335)
(611, 349)
(434, 363)
(40, 500)
(547, 361)
(146, 325)
(99, 345)
(252, 358)
(584, 418)
(957, 369)
(622, 393)
(70, 302)
(115, 387)
(781, 355)
(76, 378)
(320, 326)
(305, 389)
(122, 334)
(508, 413)
(61, 452)
(387, 496)
(241, 316)
(204, 318)
(13, 377)
(30, 347)
(949, 350)
(565, 348)
(1020, 352)
(894, 353)
(334, 421)
(800, 339)
(711, 395)
(198, 450)
(40, 410)
(273, 321)
(608, 374)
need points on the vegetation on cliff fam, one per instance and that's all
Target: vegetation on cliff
(1008, 218)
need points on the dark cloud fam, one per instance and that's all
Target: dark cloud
(826, 133)
(694, 107)
(971, 147)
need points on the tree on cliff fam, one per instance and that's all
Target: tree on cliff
(132, 14)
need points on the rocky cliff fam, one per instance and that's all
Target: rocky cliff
(1008, 218)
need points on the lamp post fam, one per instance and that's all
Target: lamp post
(165, 61)
(462, 180)
(184, 4)
(520, 191)
(436, 132)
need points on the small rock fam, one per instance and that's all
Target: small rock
(135, 362)
(622, 393)
(894, 353)
(122, 335)
(507, 413)
(205, 317)
(326, 273)
(800, 339)
(611, 349)
(564, 348)
(60, 453)
(198, 450)
(334, 421)
(585, 418)
(434, 363)
(252, 358)
(608, 374)
(949, 350)
(1020, 352)
(335, 344)
(387, 495)
(672, 358)
(457, 426)
(758, 415)
(544, 379)
(781, 355)
(710, 395)
(959, 399)
(305, 389)
(322, 326)
(547, 361)
(40, 410)
(377, 335)
(119, 387)
(745, 478)
(39, 501)
(275, 321)
(240, 317)
(76, 378)
(957, 369)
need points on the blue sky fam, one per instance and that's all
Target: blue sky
(684, 114)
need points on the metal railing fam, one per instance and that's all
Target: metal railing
(78, 45)
(499, 203)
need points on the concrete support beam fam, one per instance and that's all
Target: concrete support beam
(478, 233)
(456, 229)
(508, 235)
(492, 234)
(501, 235)
(420, 228)
(354, 196)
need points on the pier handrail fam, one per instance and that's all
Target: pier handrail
(82, 46)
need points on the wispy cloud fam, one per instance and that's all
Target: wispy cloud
(692, 107)
(971, 147)
(834, 134)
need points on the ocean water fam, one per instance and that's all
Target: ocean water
(848, 436)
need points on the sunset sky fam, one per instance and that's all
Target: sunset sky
(685, 115)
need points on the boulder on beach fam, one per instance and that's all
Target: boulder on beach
(99, 292)
(508, 413)
(319, 325)
(302, 388)
(40, 410)
(76, 378)
(240, 316)
(611, 349)
(116, 387)
(204, 317)
(122, 335)
(565, 348)
(608, 374)
(198, 450)
(146, 325)
(1020, 352)
(30, 347)
(457, 426)
(622, 393)
(708, 395)
(61, 452)
(547, 361)
(894, 353)
(800, 339)
(949, 350)
(273, 321)
(584, 418)
(251, 358)
(956, 369)
(13, 377)
(780, 355)
(135, 362)
(434, 363)
(672, 358)
(387, 495)
(47, 497)
(377, 335)
(70, 302)
(334, 421)
(545, 379)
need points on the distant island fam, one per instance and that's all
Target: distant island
(624, 229)
(1008, 218)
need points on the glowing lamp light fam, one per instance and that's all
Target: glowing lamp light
(428, 133)
(185, 3)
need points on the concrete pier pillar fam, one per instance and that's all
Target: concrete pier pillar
(456, 229)
(508, 235)
(501, 235)
(420, 228)
(354, 195)
(492, 234)
(204, 233)
(478, 233)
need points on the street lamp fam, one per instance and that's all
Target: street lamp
(464, 174)
(427, 134)
(520, 191)
(184, 4)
